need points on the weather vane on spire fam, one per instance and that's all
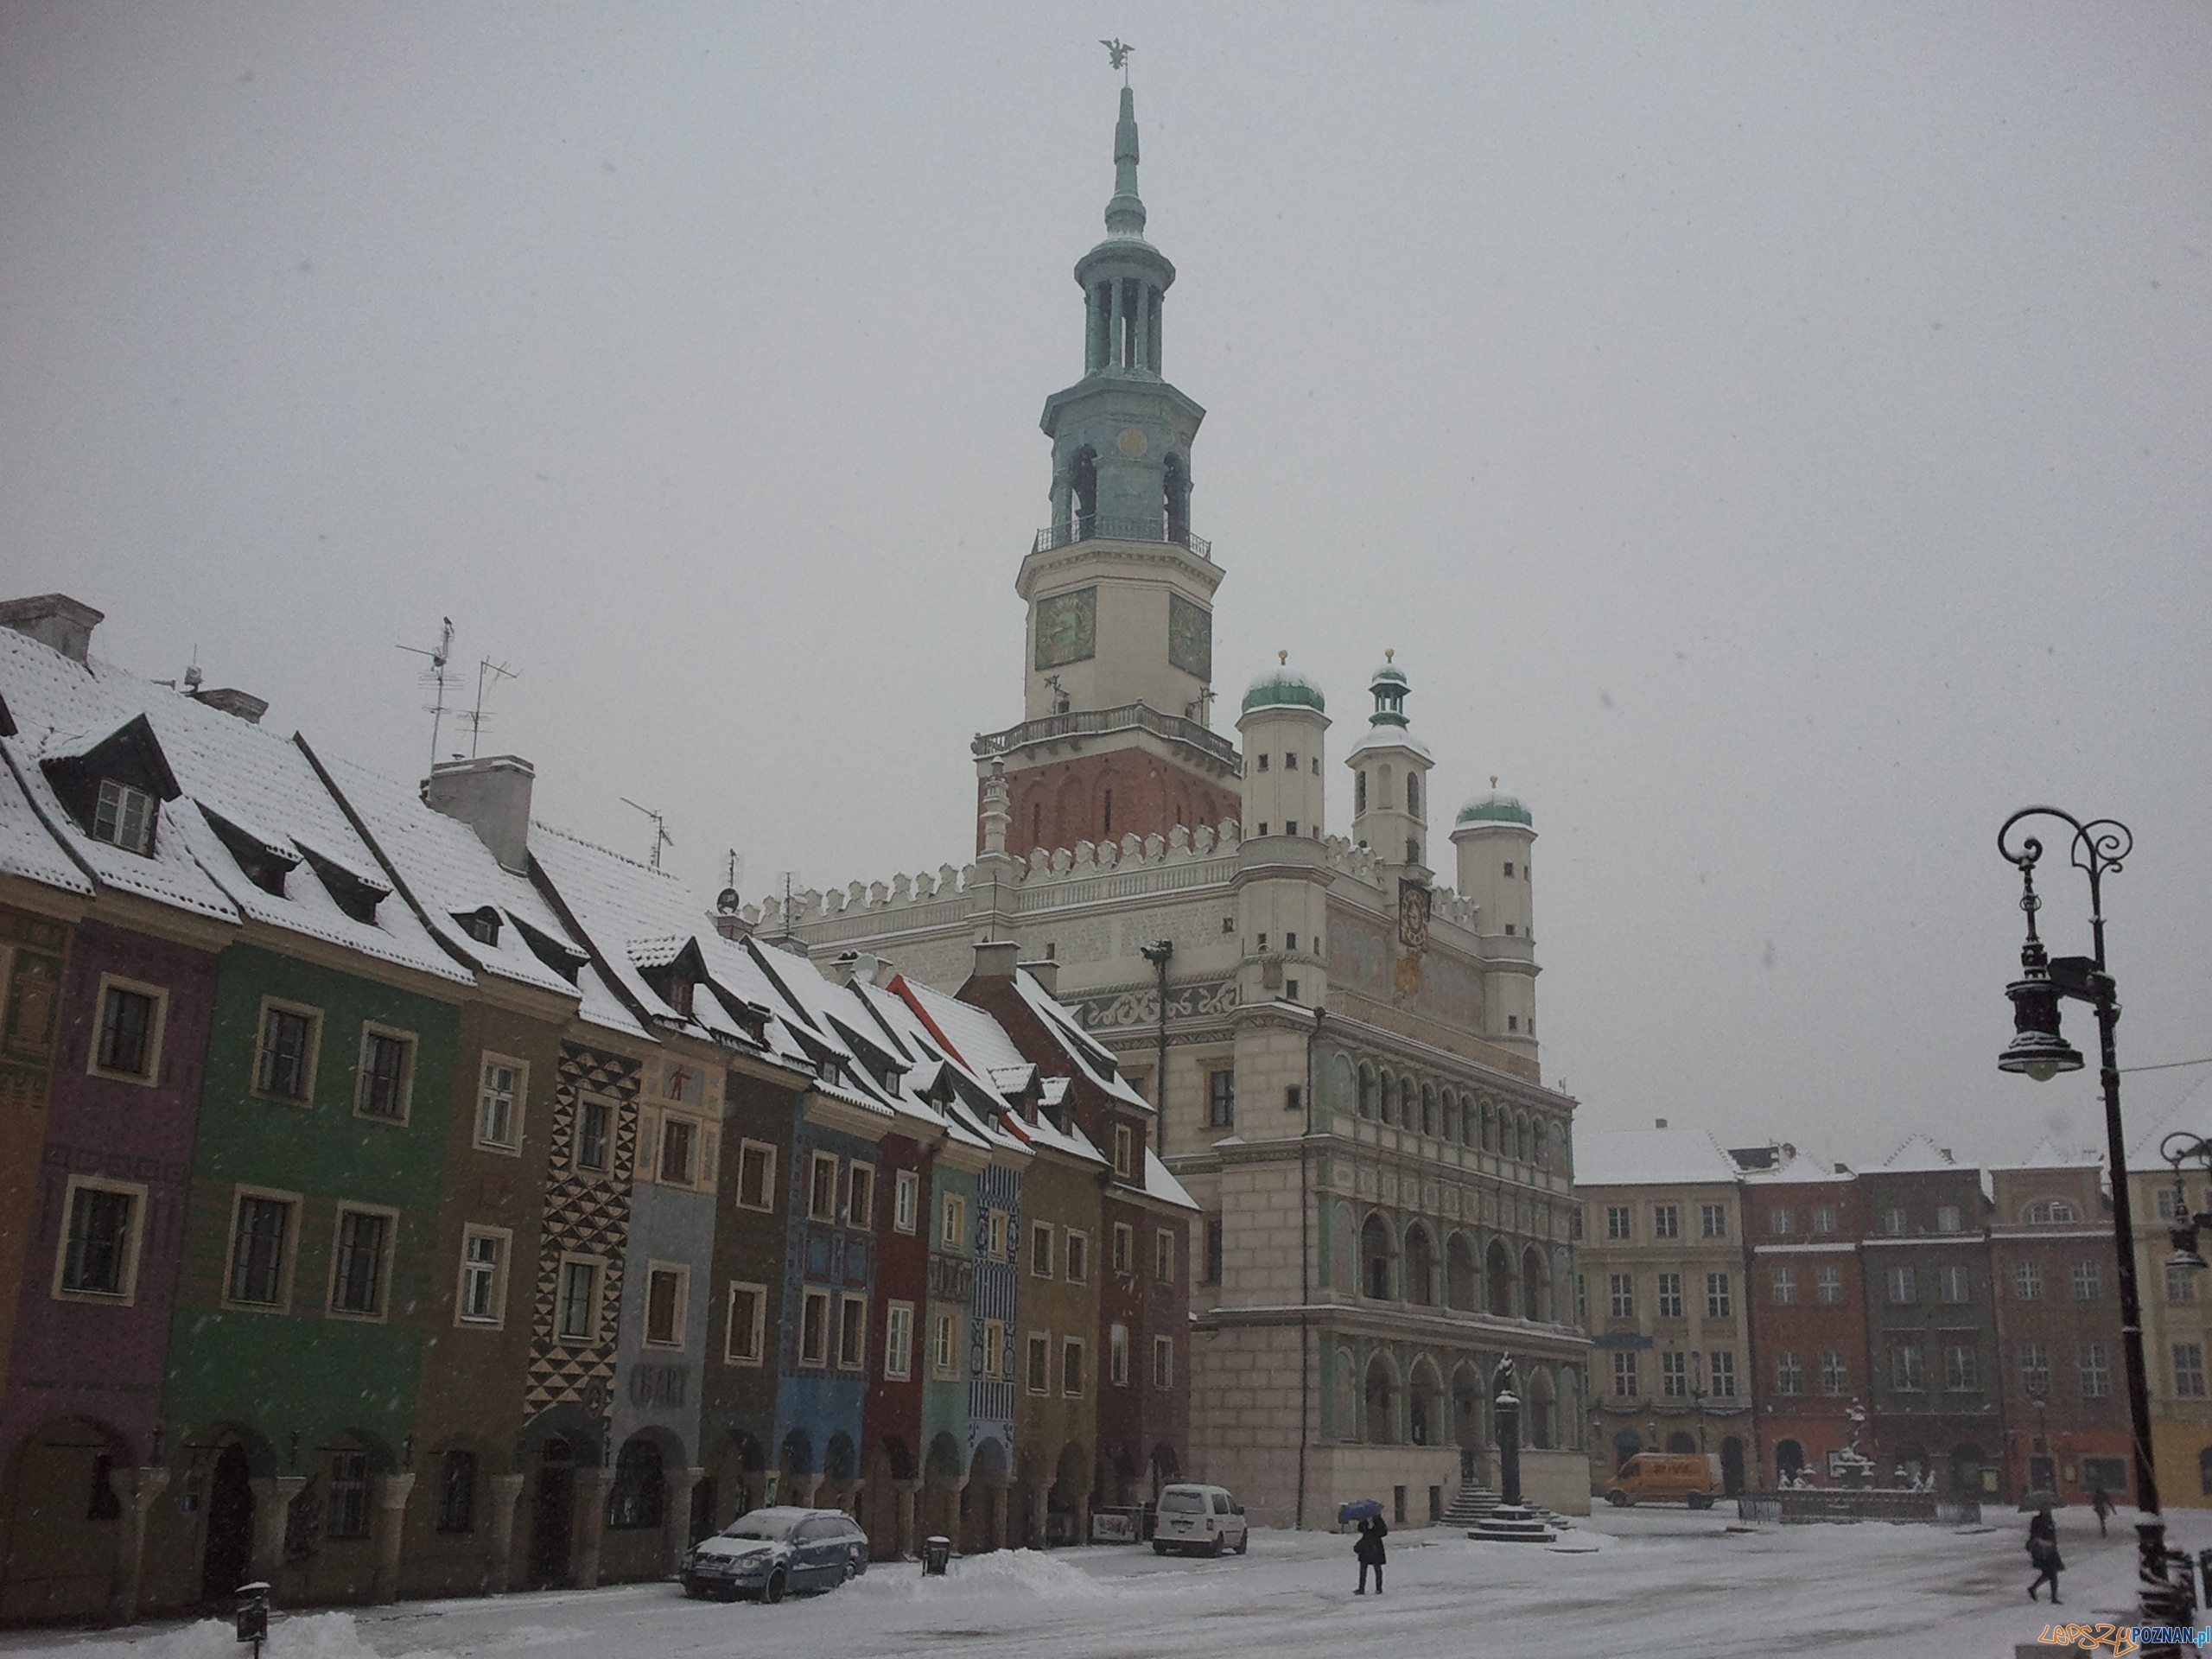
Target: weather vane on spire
(1117, 52)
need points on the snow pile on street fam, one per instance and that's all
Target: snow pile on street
(305, 1636)
(1047, 1577)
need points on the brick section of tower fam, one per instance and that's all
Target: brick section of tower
(1064, 802)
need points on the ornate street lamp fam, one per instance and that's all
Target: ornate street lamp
(2040, 1052)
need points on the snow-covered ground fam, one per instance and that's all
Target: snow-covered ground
(1641, 1581)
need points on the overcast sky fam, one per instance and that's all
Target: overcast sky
(1773, 438)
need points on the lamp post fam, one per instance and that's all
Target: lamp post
(2038, 1050)
(1697, 1394)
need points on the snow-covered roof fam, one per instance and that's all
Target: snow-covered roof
(243, 775)
(1650, 1157)
(1092, 1057)
(449, 872)
(27, 848)
(2047, 1154)
(1159, 1183)
(1920, 1155)
(1386, 736)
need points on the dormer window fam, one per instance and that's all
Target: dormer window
(679, 995)
(124, 817)
(481, 926)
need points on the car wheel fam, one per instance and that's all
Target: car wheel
(1219, 1542)
(849, 1571)
(1617, 1498)
(1159, 1548)
(773, 1592)
(1244, 1540)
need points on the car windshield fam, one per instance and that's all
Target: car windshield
(1183, 1503)
(767, 1528)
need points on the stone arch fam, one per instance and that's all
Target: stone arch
(988, 1461)
(1626, 1444)
(1535, 1284)
(1789, 1461)
(1377, 1261)
(1343, 1252)
(1681, 1440)
(1462, 1280)
(1523, 1139)
(1424, 1404)
(1348, 1397)
(1380, 1393)
(795, 1457)
(840, 1461)
(1489, 1125)
(1367, 1090)
(1497, 1273)
(583, 1431)
(638, 1500)
(1407, 1106)
(1420, 1273)
(1344, 1091)
(1427, 1110)
(1448, 1110)
(944, 1457)
(65, 1515)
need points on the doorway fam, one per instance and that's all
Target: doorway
(552, 1515)
(229, 1554)
(1731, 1466)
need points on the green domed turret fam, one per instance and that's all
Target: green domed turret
(1283, 686)
(1495, 808)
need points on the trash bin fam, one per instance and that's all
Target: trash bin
(936, 1555)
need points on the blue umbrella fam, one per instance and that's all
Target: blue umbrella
(1360, 1508)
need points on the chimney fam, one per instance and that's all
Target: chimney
(492, 797)
(1658, 1122)
(995, 959)
(53, 620)
(231, 701)
(1046, 973)
(1946, 1154)
(848, 966)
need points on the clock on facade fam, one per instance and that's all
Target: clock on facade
(1190, 638)
(1067, 628)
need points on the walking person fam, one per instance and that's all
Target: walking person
(2102, 1504)
(2042, 1556)
(1369, 1550)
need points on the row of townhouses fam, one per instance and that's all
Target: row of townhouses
(410, 1199)
(1925, 1318)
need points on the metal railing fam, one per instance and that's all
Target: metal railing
(1093, 722)
(1092, 528)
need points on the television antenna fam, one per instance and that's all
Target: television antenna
(727, 901)
(790, 878)
(488, 673)
(661, 837)
(438, 677)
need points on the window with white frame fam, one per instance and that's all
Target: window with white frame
(1622, 1288)
(1038, 1370)
(906, 1201)
(2189, 1370)
(2095, 1368)
(1893, 1222)
(1118, 1355)
(1674, 1376)
(1905, 1373)
(667, 1292)
(681, 1149)
(822, 1187)
(98, 1256)
(1788, 1374)
(2027, 1282)
(2088, 1283)
(859, 1196)
(994, 1354)
(814, 1327)
(1824, 1218)
(2035, 1368)
(1076, 1257)
(1713, 1220)
(745, 1341)
(1828, 1285)
(1719, 1299)
(1163, 1256)
(2046, 1211)
(1163, 1361)
(898, 1340)
(952, 1231)
(1040, 1249)
(756, 1175)
(382, 1082)
(999, 1240)
(944, 1344)
(852, 1333)
(1785, 1285)
(576, 1309)
(1617, 1222)
(129, 1046)
(1670, 1296)
(283, 1066)
(361, 1262)
(1947, 1218)
(1961, 1373)
(1778, 1220)
(1958, 1283)
(499, 1091)
(1125, 1248)
(1124, 1151)
(1722, 1374)
(2181, 1284)
(1835, 1373)
(1665, 1221)
(483, 1291)
(1904, 1286)
(1071, 1367)
(124, 817)
(1625, 1383)
(594, 1142)
(263, 1232)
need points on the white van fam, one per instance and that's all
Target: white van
(1205, 1519)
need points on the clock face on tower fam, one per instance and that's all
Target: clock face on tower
(1190, 638)
(1067, 628)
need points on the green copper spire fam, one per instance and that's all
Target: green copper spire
(1125, 212)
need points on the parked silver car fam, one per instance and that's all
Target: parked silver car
(766, 1553)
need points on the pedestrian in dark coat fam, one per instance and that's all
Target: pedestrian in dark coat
(1369, 1550)
(2042, 1556)
(2101, 1503)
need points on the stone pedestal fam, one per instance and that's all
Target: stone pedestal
(272, 1504)
(138, 1487)
(506, 1493)
(391, 1533)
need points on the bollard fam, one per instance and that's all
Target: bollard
(937, 1555)
(253, 1614)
